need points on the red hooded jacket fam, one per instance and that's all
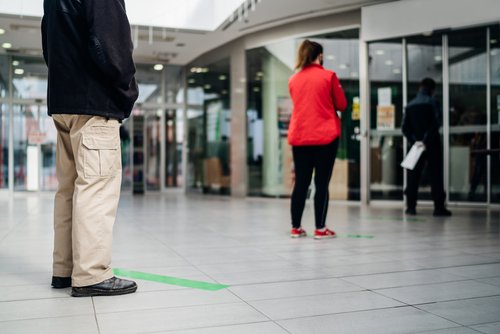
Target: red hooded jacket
(316, 94)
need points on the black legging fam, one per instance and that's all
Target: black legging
(307, 159)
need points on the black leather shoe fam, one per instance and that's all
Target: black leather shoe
(61, 282)
(442, 212)
(110, 287)
(411, 211)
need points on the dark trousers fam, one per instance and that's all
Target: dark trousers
(307, 159)
(434, 158)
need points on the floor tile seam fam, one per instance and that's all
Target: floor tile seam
(166, 308)
(211, 326)
(340, 313)
(405, 286)
(426, 284)
(324, 294)
(35, 299)
(444, 318)
(294, 281)
(485, 323)
(454, 300)
(95, 316)
(49, 317)
(258, 311)
(380, 273)
(461, 265)
(483, 278)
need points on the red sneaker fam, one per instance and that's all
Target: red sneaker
(324, 234)
(298, 233)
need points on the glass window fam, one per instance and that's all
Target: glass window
(209, 132)
(495, 112)
(386, 111)
(425, 61)
(467, 68)
(149, 81)
(4, 121)
(269, 108)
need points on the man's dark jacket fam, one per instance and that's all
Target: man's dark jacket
(88, 48)
(422, 119)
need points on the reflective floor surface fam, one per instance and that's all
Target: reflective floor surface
(384, 273)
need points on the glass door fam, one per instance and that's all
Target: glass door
(35, 140)
(468, 115)
(494, 42)
(386, 111)
(425, 60)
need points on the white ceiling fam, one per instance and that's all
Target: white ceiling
(181, 46)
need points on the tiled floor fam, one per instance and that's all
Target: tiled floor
(384, 274)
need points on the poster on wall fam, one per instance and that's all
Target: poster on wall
(386, 111)
(285, 107)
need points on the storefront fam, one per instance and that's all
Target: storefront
(152, 138)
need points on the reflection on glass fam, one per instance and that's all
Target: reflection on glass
(4, 146)
(468, 136)
(149, 81)
(495, 113)
(174, 137)
(125, 142)
(209, 132)
(386, 110)
(269, 109)
(425, 61)
(153, 140)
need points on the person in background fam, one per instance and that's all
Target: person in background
(313, 134)
(87, 47)
(421, 122)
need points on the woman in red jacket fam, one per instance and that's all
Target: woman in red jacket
(313, 133)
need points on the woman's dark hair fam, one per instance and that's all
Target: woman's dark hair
(308, 52)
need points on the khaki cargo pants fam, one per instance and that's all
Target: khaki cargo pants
(88, 168)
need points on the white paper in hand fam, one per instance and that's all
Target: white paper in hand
(411, 159)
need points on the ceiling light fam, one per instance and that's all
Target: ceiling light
(19, 71)
(191, 81)
(389, 62)
(158, 67)
(222, 77)
(396, 71)
(207, 86)
(2, 31)
(343, 66)
(330, 57)
(493, 41)
(15, 63)
(380, 52)
(6, 45)
(256, 89)
(438, 58)
(260, 74)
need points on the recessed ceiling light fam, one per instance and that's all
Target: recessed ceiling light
(438, 58)
(260, 74)
(389, 62)
(6, 45)
(2, 31)
(330, 57)
(222, 77)
(380, 52)
(15, 63)
(191, 81)
(208, 86)
(256, 89)
(19, 71)
(158, 67)
(343, 66)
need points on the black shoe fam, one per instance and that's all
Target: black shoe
(110, 287)
(61, 282)
(411, 212)
(442, 212)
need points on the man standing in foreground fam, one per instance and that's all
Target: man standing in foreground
(88, 48)
(421, 123)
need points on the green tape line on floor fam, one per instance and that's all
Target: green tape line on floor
(170, 280)
(357, 236)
